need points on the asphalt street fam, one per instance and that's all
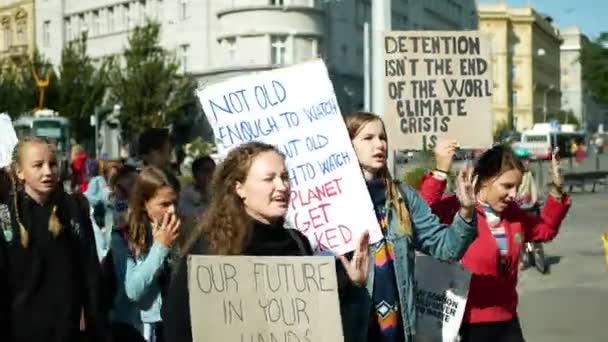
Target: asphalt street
(570, 303)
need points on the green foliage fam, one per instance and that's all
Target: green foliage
(594, 61)
(82, 87)
(18, 91)
(147, 83)
(564, 117)
(414, 177)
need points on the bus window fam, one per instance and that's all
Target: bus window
(22, 131)
(535, 138)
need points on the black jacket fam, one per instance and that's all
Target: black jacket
(44, 287)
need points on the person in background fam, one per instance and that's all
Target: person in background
(386, 309)
(98, 195)
(194, 197)
(141, 251)
(246, 216)
(49, 270)
(527, 193)
(503, 227)
(155, 150)
(78, 158)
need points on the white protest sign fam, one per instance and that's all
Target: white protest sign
(244, 299)
(441, 297)
(438, 85)
(8, 140)
(295, 109)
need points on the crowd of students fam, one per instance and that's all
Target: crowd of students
(109, 262)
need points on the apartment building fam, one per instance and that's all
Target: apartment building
(16, 29)
(526, 64)
(216, 39)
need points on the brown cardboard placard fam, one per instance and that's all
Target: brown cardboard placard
(438, 85)
(247, 299)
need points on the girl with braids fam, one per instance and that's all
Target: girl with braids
(492, 259)
(140, 253)
(386, 309)
(246, 216)
(48, 263)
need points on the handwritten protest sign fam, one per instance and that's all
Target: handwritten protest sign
(441, 297)
(295, 109)
(8, 140)
(252, 299)
(438, 85)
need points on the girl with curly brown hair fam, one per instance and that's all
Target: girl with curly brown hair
(246, 216)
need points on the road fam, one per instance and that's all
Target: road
(571, 302)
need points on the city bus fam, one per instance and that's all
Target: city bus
(540, 140)
(49, 125)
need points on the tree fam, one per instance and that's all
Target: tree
(594, 61)
(148, 85)
(564, 117)
(82, 88)
(19, 93)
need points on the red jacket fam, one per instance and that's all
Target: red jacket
(493, 296)
(79, 172)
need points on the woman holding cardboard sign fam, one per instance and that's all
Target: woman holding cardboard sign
(386, 310)
(249, 200)
(491, 312)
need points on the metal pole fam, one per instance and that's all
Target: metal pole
(97, 133)
(366, 69)
(381, 22)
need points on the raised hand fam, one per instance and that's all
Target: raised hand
(444, 154)
(555, 172)
(166, 231)
(465, 191)
(358, 267)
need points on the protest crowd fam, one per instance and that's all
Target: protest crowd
(135, 254)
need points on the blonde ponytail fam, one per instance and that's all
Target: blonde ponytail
(55, 227)
(398, 203)
(24, 235)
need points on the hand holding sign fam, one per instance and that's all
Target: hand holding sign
(444, 154)
(357, 268)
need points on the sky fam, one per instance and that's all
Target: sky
(588, 15)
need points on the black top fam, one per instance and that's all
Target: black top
(264, 240)
(44, 287)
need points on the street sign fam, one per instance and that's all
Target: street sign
(555, 125)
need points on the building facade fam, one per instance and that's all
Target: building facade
(526, 64)
(17, 28)
(575, 96)
(216, 39)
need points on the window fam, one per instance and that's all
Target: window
(67, 24)
(96, 23)
(46, 33)
(110, 15)
(231, 48)
(276, 2)
(278, 49)
(159, 9)
(126, 16)
(183, 9)
(184, 48)
(314, 47)
(7, 36)
(514, 97)
(141, 15)
(82, 25)
(21, 33)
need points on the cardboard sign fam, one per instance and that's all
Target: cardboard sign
(251, 299)
(296, 110)
(438, 86)
(441, 297)
(8, 140)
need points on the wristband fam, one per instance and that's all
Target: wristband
(440, 175)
